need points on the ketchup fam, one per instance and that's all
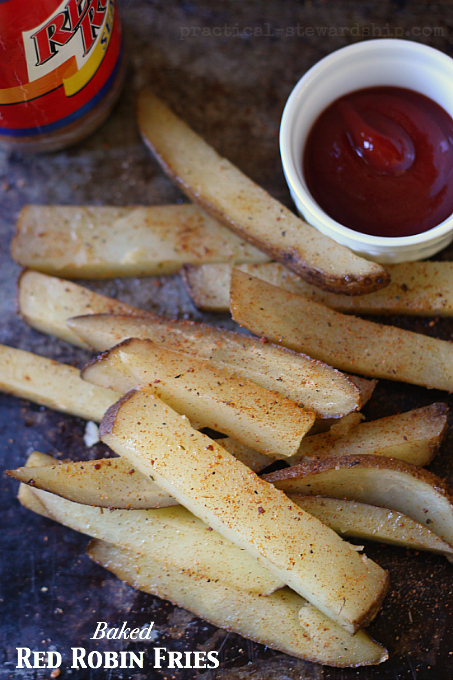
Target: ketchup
(380, 161)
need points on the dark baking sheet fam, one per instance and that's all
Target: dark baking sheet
(232, 89)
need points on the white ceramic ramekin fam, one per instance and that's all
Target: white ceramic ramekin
(398, 63)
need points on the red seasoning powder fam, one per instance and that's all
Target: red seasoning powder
(380, 161)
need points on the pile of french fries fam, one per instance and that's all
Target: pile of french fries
(192, 520)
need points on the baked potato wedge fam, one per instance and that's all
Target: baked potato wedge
(52, 384)
(105, 241)
(47, 302)
(152, 533)
(311, 384)
(344, 341)
(206, 394)
(231, 499)
(376, 480)
(414, 436)
(112, 483)
(103, 483)
(230, 196)
(305, 632)
(282, 621)
(363, 521)
(416, 288)
(109, 482)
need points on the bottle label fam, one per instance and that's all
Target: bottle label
(58, 66)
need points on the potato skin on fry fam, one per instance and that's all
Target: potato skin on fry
(46, 302)
(416, 288)
(414, 436)
(152, 532)
(104, 483)
(230, 196)
(111, 483)
(311, 384)
(207, 394)
(385, 482)
(213, 485)
(364, 521)
(347, 342)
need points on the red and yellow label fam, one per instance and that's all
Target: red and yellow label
(58, 60)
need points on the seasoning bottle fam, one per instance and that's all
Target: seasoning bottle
(60, 70)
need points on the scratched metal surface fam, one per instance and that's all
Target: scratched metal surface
(231, 88)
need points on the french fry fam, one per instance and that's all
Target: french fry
(416, 288)
(225, 192)
(343, 426)
(414, 436)
(346, 342)
(305, 632)
(209, 287)
(364, 521)
(252, 459)
(46, 303)
(109, 483)
(376, 480)
(104, 483)
(37, 459)
(365, 386)
(216, 487)
(152, 533)
(206, 394)
(25, 495)
(29, 500)
(52, 384)
(273, 621)
(105, 241)
(311, 384)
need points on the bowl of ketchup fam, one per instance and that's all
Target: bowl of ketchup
(366, 141)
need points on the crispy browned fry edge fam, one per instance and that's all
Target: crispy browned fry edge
(314, 466)
(230, 196)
